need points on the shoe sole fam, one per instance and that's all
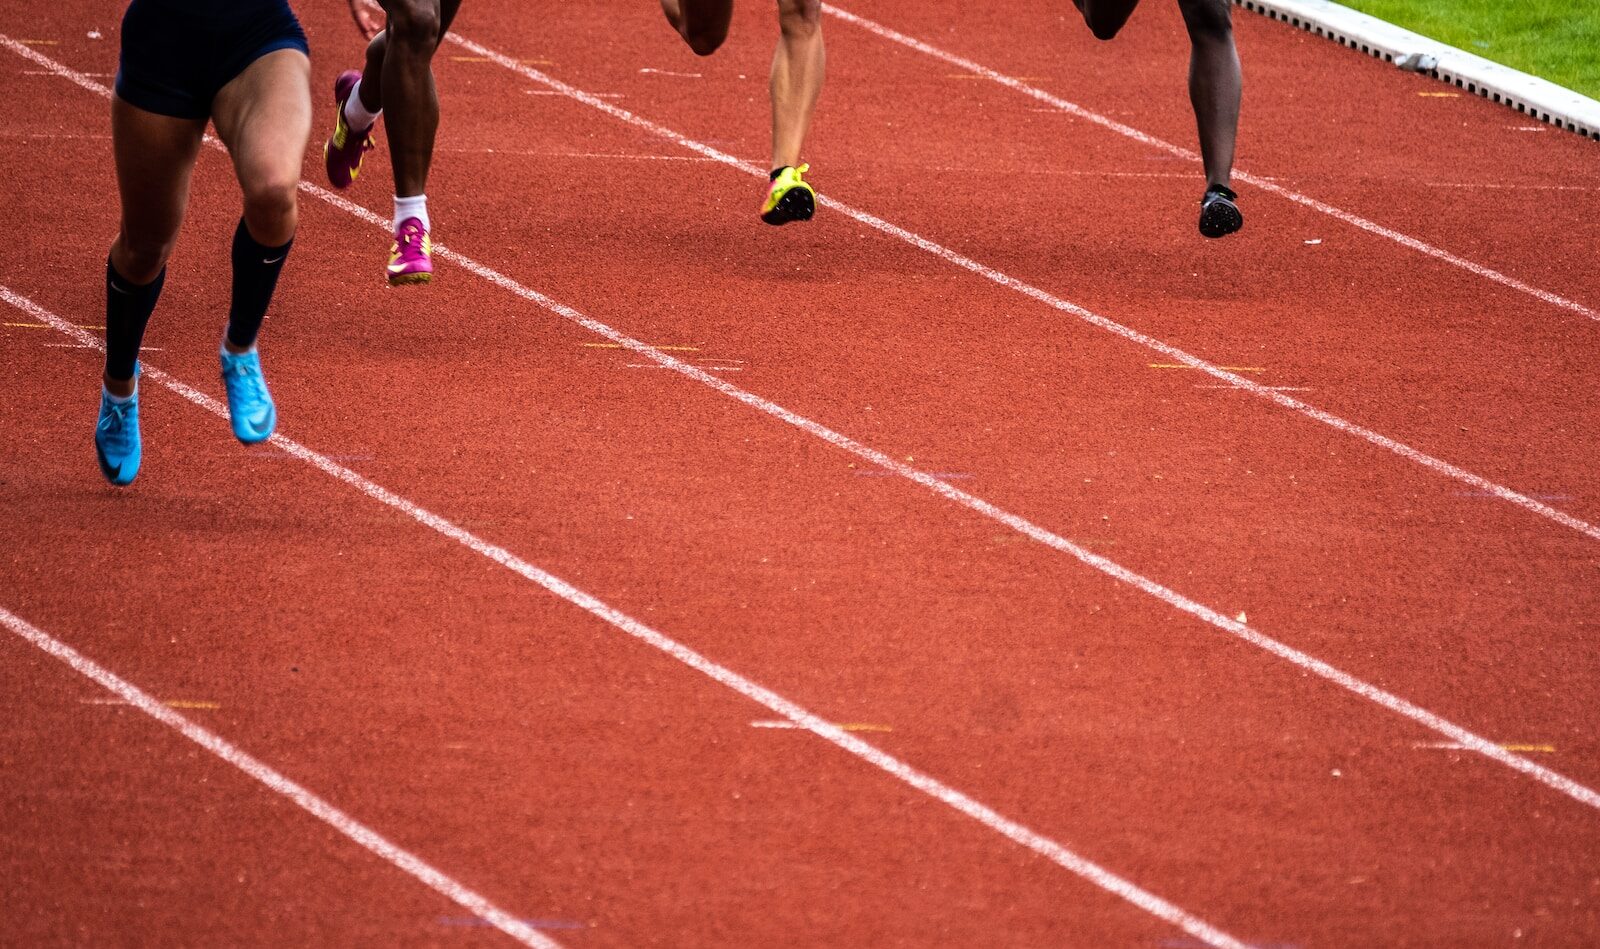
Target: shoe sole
(797, 205)
(1219, 219)
(404, 280)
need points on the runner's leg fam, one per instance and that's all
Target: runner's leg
(703, 24)
(1215, 83)
(264, 118)
(798, 67)
(155, 156)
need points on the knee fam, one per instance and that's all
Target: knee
(414, 23)
(269, 203)
(1208, 19)
(140, 260)
(801, 18)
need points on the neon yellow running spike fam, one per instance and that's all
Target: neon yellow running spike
(789, 198)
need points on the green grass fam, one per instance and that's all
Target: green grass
(1558, 40)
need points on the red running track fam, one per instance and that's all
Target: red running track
(611, 796)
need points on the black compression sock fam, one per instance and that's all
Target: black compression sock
(255, 276)
(128, 309)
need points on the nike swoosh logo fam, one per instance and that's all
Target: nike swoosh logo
(115, 286)
(275, 259)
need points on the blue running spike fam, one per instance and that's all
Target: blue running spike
(250, 407)
(116, 438)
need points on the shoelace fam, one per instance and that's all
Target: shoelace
(115, 422)
(248, 374)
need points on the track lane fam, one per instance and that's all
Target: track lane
(1451, 363)
(540, 756)
(1278, 484)
(1312, 86)
(99, 847)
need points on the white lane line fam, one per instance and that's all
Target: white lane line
(540, 153)
(319, 808)
(1132, 335)
(847, 726)
(1508, 186)
(1273, 388)
(802, 718)
(1260, 181)
(973, 503)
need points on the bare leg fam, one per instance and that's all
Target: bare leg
(798, 67)
(1215, 83)
(399, 79)
(155, 156)
(370, 91)
(264, 117)
(703, 24)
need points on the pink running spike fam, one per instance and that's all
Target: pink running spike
(345, 148)
(411, 257)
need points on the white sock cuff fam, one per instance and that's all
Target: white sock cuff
(416, 206)
(120, 399)
(355, 114)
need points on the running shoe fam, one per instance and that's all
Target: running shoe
(411, 257)
(344, 150)
(116, 437)
(1219, 215)
(789, 198)
(250, 407)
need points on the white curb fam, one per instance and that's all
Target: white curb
(1537, 98)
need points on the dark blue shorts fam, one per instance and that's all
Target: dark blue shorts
(177, 54)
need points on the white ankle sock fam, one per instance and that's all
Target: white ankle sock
(416, 207)
(119, 399)
(355, 114)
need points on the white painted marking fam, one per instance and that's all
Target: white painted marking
(142, 349)
(648, 71)
(537, 153)
(597, 95)
(1508, 186)
(1268, 388)
(1259, 181)
(319, 808)
(1094, 319)
(802, 718)
(1022, 835)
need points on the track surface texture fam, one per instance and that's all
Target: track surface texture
(1150, 660)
